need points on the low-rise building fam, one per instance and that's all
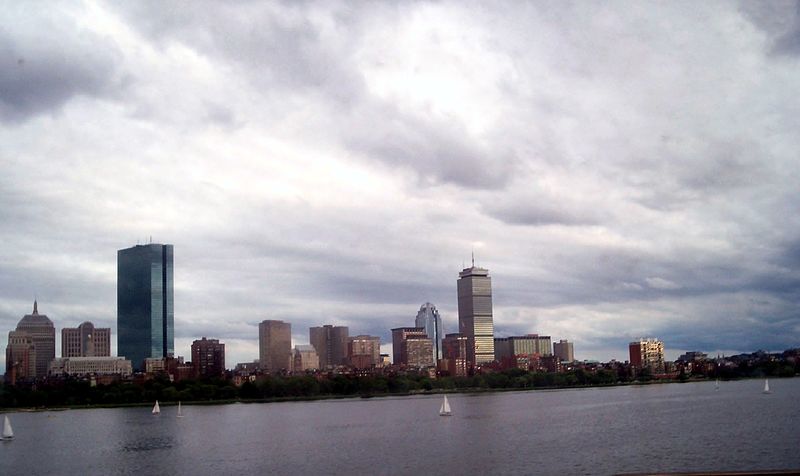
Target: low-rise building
(81, 366)
(363, 352)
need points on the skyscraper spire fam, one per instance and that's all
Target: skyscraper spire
(35, 308)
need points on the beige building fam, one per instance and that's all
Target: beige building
(647, 353)
(79, 366)
(399, 336)
(275, 346)
(331, 344)
(475, 319)
(86, 340)
(20, 357)
(564, 351)
(305, 358)
(364, 352)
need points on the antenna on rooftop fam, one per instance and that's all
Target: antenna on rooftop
(473, 256)
(151, 239)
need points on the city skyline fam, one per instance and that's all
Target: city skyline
(321, 164)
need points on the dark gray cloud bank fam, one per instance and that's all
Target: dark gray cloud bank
(623, 171)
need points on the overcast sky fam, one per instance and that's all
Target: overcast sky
(623, 169)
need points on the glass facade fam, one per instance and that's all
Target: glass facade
(428, 317)
(145, 316)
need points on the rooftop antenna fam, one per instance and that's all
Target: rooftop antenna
(151, 239)
(473, 257)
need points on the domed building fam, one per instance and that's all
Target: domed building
(43, 336)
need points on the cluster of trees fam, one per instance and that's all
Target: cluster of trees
(78, 392)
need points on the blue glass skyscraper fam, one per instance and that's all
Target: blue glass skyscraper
(428, 317)
(145, 317)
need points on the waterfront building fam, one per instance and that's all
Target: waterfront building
(475, 314)
(647, 353)
(43, 335)
(418, 352)
(208, 358)
(429, 319)
(275, 346)
(81, 366)
(518, 348)
(86, 340)
(305, 358)
(331, 344)
(454, 355)
(564, 351)
(363, 352)
(145, 316)
(20, 357)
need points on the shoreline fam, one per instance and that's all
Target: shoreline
(472, 390)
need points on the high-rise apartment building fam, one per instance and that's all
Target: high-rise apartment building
(275, 346)
(86, 340)
(475, 314)
(305, 358)
(43, 337)
(20, 357)
(331, 344)
(364, 352)
(428, 318)
(454, 355)
(412, 347)
(564, 351)
(145, 316)
(647, 353)
(208, 358)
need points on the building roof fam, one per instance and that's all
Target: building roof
(35, 319)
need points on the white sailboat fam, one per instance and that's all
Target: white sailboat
(156, 409)
(8, 433)
(445, 410)
(766, 386)
(716, 385)
(180, 413)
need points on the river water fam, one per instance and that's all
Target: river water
(675, 427)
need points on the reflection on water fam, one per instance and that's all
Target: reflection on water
(689, 427)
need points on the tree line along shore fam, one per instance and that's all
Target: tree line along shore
(80, 393)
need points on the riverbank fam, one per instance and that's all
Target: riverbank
(366, 395)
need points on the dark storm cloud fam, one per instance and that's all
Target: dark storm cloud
(46, 59)
(780, 20)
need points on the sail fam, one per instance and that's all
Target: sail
(156, 409)
(445, 408)
(766, 386)
(8, 433)
(180, 414)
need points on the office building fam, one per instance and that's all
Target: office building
(429, 319)
(43, 336)
(145, 316)
(208, 358)
(305, 358)
(454, 355)
(275, 346)
(86, 340)
(522, 351)
(475, 314)
(412, 347)
(20, 357)
(364, 352)
(81, 366)
(564, 351)
(331, 344)
(647, 353)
